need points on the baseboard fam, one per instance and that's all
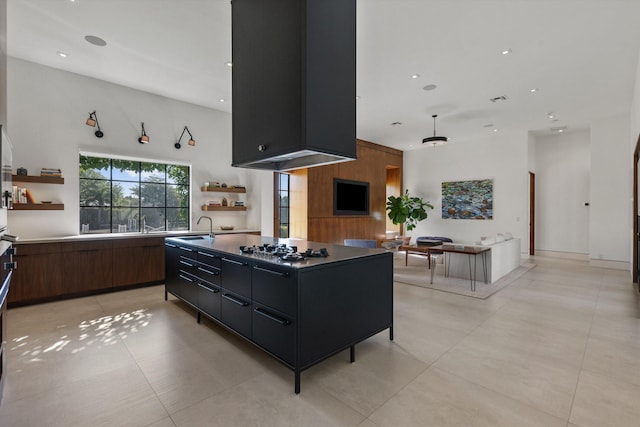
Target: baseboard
(564, 255)
(614, 265)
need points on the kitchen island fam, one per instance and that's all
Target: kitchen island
(300, 309)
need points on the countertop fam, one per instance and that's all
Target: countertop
(230, 244)
(116, 236)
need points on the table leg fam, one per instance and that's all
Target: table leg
(435, 264)
(484, 265)
(471, 275)
(406, 257)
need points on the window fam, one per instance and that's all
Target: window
(118, 196)
(282, 204)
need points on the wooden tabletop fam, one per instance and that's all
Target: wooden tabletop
(469, 250)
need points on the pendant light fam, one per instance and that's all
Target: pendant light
(435, 140)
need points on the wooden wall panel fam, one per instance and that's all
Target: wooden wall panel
(298, 203)
(371, 166)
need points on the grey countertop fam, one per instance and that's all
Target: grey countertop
(116, 236)
(230, 244)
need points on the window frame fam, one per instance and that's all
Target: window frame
(137, 212)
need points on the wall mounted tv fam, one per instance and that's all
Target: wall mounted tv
(350, 197)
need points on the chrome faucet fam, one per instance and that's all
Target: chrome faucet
(144, 224)
(211, 235)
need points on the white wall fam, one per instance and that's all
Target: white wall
(47, 111)
(611, 188)
(501, 157)
(562, 165)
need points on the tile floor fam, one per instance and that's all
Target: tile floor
(558, 347)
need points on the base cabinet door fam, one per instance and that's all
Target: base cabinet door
(138, 260)
(38, 276)
(235, 312)
(209, 299)
(274, 331)
(87, 266)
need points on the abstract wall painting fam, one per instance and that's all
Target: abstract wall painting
(467, 199)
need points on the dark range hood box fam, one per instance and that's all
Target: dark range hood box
(294, 80)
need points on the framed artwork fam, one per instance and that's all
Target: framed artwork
(467, 199)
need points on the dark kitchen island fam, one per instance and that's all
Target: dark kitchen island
(300, 309)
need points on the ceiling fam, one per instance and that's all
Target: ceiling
(580, 55)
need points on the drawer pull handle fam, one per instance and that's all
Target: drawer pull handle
(234, 261)
(187, 263)
(207, 254)
(188, 279)
(280, 320)
(182, 248)
(213, 273)
(10, 265)
(206, 288)
(235, 300)
(277, 273)
(170, 245)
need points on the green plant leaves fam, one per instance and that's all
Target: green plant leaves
(407, 210)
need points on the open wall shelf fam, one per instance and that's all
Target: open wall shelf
(40, 179)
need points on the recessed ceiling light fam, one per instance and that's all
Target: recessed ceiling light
(415, 76)
(396, 124)
(506, 51)
(488, 125)
(62, 54)
(551, 115)
(95, 40)
(495, 130)
(534, 90)
(221, 100)
(357, 97)
(429, 87)
(229, 64)
(559, 129)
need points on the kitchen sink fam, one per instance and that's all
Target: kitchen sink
(195, 238)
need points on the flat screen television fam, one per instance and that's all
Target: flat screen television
(350, 197)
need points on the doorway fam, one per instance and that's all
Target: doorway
(532, 213)
(636, 216)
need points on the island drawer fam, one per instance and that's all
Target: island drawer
(235, 275)
(235, 312)
(274, 332)
(274, 286)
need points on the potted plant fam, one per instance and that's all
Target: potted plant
(407, 210)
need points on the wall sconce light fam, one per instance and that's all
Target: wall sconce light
(191, 142)
(93, 122)
(143, 138)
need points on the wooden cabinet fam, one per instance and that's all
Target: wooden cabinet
(86, 266)
(38, 275)
(138, 261)
(49, 271)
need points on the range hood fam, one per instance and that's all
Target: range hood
(294, 77)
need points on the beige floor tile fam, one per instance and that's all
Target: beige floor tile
(616, 359)
(538, 382)
(601, 401)
(379, 372)
(165, 422)
(523, 336)
(117, 398)
(437, 398)
(267, 400)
